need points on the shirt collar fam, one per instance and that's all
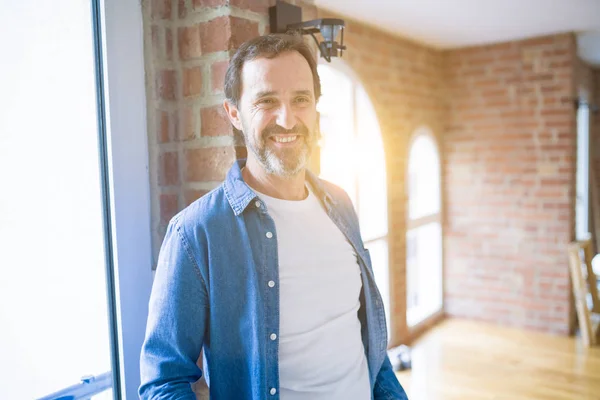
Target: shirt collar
(240, 195)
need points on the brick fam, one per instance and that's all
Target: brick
(192, 81)
(214, 122)
(161, 9)
(163, 126)
(168, 169)
(189, 43)
(193, 195)
(155, 38)
(166, 83)
(215, 34)
(187, 124)
(169, 206)
(169, 44)
(242, 30)
(181, 9)
(208, 164)
(218, 70)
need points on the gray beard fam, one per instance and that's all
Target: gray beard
(273, 164)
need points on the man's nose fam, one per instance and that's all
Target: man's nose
(285, 117)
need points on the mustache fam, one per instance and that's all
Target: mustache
(299, 129)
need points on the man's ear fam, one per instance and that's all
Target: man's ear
(233, 114)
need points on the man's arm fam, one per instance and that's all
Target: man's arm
(387, 386)
(176, 322)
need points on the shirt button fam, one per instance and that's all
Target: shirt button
(257, 204)
(273, 391)
(271, 283)
(273, 336)
(269, 235)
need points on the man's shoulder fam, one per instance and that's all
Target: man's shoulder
(212, 207)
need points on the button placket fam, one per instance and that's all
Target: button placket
(273, 323)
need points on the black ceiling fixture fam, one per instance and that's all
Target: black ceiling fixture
(287, 18)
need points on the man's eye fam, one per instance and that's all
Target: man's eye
(266, 101)
(302, 100)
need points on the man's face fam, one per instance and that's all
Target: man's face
(277, 112)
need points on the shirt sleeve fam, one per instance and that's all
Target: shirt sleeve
(176, 322)
(387, 386)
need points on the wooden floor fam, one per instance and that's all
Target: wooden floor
(467, 360)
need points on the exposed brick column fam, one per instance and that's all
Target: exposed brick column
(188, 44)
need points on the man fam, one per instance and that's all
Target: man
(268, 273)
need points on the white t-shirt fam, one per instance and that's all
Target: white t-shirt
(321, 354)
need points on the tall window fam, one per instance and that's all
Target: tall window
(75, 197)
(54, 314)
(352, 157)
(583, 169)
(424, 234)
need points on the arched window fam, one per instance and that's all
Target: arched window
(352, 156)
(424, 229)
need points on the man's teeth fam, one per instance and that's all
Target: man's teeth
(285, 139)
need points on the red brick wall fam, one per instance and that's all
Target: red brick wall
(510, 170)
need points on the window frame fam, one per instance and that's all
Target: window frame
(120, 37)
(411, 224)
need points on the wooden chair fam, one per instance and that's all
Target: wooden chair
(589, 317)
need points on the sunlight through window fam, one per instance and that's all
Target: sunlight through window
(424, 235)
(352, 156)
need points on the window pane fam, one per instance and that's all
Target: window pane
(379, 258)
(372, 198)
(337, 128)
(424, 272)
(53, 291)
(423, 178)
(582, 204)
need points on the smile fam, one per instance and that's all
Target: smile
(284, 139)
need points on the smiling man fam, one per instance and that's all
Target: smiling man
(268, 273)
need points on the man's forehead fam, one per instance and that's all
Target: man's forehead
(286, 72)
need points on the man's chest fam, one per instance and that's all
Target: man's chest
(319, 276)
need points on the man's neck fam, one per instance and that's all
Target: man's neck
(292, 188)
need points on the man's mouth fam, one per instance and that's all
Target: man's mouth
(284, 138)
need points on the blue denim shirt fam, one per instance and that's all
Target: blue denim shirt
(217, 288)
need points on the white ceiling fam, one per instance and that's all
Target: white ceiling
(457, 23)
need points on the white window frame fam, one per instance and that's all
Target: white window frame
(128, 157)
(419, 222)
(583, 172)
